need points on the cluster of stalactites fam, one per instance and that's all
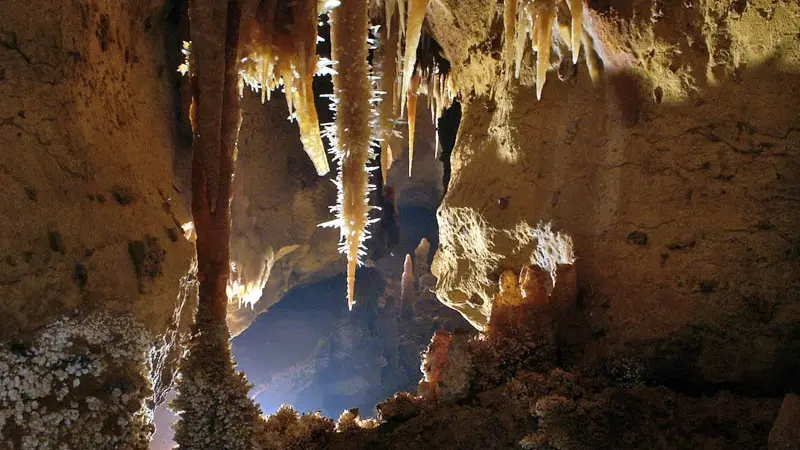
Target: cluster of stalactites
(278, 55)
(399, 80)
(535, 19)
(438, 87)
(403, 79)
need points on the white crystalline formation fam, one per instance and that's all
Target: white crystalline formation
(354, 134)
(40, 386)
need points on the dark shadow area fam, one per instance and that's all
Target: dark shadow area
(448, 130)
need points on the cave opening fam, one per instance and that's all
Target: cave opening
(309, 351)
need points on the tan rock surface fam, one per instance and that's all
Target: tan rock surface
(278, 202)
(91, 219)
(676, 176)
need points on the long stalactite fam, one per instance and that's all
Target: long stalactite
(352, 133)
(416, 15)
(387, 67)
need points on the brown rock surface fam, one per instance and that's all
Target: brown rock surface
(91, 219)
(785, 433)
(676, 176)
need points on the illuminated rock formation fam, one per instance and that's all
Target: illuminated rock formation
(685, 168)
(465, 233)
(421, 254)
(408, 294)
(276, 54)
(352, 134)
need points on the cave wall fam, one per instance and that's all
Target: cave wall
(91, 216)
(94, 266)
(676, 175)
(278, 203)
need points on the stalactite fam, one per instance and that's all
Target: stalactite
(545, 14)
(412, 118)
(388, 16)
(492, 13)
(401, 9)
(277, 54)
(416, 15)
(576, 9)
(436, 84)
(351, 134)
(523, 28)
(593, 62)
(536, 18)
(387, 65)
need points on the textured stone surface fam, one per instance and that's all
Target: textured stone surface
(676, 177)
(91, 216)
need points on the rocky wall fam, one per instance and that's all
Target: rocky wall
(91, 215)
(676, 174)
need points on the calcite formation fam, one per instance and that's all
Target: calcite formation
(433, 364)
(42, 400)
(352, 134)
(464, 235)
(407, 291)
(280, 55)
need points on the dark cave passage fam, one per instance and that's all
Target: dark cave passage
(448, 130)
(308, 351)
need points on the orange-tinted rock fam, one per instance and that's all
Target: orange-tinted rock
(565, 290)
(533, 284)
(433, 364)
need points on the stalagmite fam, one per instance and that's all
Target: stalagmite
(416, 15)
(407, 291)
(277, 54)
(351, 135)
(412, 119)
(421, 254)
(534, 285)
